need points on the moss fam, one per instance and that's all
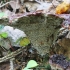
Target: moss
(31, 19)
(46, 58)
(3, 20)
(42, 31)
(48, 67)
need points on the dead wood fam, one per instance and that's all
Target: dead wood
(11, 55)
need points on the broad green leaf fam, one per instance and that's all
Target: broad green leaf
(32, 64)
(4, 35)
(26, 68)
(24, 42)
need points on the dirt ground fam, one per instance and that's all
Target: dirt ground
(4, 66)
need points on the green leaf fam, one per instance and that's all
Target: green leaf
(26, 69)
(24, 42)
(4, 35)
(32, 64)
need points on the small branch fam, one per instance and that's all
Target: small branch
(11, 55)
(12, 64)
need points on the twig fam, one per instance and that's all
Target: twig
(12, 64)
(11, 55)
